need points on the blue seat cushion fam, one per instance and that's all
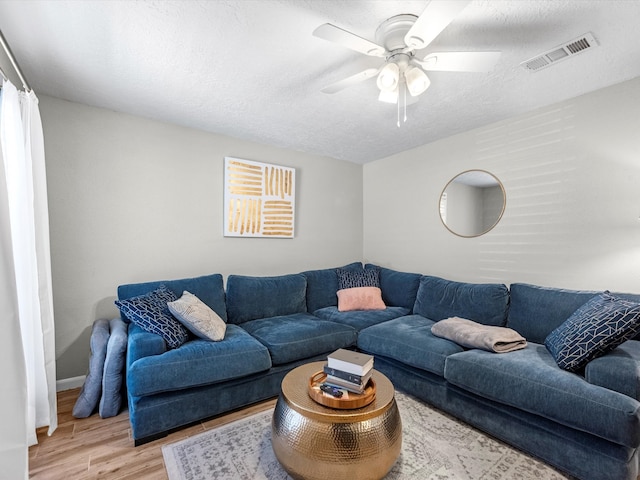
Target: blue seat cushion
(399, 289)
(198, 362)
(360, 319)
(112, 378)
(92, 388)
(485, 303)
(299, 336)
(618, 370)
(251, 298)
(409, 340)
(530, 380)
(322, 286)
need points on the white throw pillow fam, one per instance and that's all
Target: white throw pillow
(198, 317)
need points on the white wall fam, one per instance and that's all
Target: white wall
(136, 200)
(572, 178)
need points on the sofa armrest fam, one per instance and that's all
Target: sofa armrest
(618, 370)
(143, 344)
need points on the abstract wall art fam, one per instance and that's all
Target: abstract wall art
(259, 199)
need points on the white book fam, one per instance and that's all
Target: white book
(349, 361)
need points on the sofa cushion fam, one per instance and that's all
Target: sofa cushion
(529, 379)
(112, 377)
(251, 298)
(409, 340)
(151, 313)
(91, 389)
(208, 288)
(198, 362)
(299, 336)
(322, 286)
(597, 327)
(618, 370)
(536, 311)
(438, 299)
(199, 319)
(399, 289)
(361, 319)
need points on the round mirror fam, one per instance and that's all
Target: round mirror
(472, 203)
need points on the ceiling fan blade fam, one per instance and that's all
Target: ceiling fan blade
(459, 61)
(352, 80)
(434, 19)
(349, 40)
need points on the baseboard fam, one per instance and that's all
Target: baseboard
(69, 383)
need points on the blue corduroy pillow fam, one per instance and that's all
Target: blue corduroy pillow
(597, 327)
(151, 313)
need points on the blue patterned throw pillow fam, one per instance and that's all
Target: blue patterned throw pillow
(358, 278)
(597, 327)
(151, 313)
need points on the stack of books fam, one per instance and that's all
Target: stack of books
(348, 370)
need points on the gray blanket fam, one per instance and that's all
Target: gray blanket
(476, 335)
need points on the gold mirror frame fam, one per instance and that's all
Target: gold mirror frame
(476, 223)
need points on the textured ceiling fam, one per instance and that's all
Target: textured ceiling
(253, 70)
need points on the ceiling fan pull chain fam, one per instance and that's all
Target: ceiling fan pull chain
(405, 102)
(398, 105)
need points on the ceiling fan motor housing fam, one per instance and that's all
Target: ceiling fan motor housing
(390, 34)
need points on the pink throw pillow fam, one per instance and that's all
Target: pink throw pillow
(360, 298)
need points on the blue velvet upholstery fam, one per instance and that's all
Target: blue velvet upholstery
(530, 380)
(438, 299)
(536, 311)
(251, 298)
(208, 288)
(409, 340)
(198, 362)
(154, 415)
(322, 286)
(586, 427)
(399, 289)
(113, 375)
(360, 319)
(91, 389)
(618, 370)
(143, 344)
(294, 337)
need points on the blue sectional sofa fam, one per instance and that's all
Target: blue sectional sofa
(586, 423)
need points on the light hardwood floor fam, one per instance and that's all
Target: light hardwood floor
(96, 448)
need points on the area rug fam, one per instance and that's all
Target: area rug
(435, 446)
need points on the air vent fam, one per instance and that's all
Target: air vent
(562, 52)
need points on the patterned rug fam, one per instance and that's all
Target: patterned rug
(435, 446)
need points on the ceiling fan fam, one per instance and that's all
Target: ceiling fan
(399, 41)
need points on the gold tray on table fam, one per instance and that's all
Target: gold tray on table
(354, 400)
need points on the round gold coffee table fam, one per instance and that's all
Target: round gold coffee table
(312, 441)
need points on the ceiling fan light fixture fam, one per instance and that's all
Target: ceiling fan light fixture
(417, 81)
(388, 96)
(389, 77)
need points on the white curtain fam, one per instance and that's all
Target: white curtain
(26, 280)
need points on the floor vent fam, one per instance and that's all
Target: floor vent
(562, 52)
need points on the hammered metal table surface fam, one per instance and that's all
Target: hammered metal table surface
(312, 441)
